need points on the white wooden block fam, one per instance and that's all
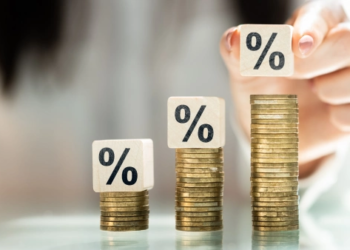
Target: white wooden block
(134, 158)
(196, 122)
(266, 50)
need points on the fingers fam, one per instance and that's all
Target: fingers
(312, 23)
(333, 54)
(340, 117)
(334, 88)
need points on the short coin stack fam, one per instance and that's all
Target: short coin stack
(124, 211)
(199, 189)
(274, 162)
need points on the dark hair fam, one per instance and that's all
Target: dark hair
(263, 11)
(25, 24)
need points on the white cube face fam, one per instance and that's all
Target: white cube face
(122, 165)
(196, 122)
(266, 50)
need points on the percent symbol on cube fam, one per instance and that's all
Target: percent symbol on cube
(265, 50)
(110, 161)
(201, 128)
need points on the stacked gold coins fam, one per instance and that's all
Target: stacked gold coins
(199, 189)
(274, 162)
(124, 211)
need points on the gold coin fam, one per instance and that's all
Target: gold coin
(199, 165)
(275, 223)
(274, 150)
(275, 165)
(123, 223)
(199, 156)
(205, 175)
(274, 170)
(195, 180)
(275, 127)
(199, 194)
(124, 228)
(274, 116)
(273, 199)
(199, 214)
(275, 131)
(199, 150)
(274, 111)
(286, 174)
(123, 204)
(123, 194)
(124, 209)
(275, 204)
(133, 218)
(201, 161)
(198, 199)
(281, 136)
(286, 228)
(260, 160)
(275, 156)
(126, 199)
(275, 140)
(275, 184)
(274, 214)
(275, 209)
(198, 209)
(198, 219)
(124, 214)
(273, 194)
(273, 189)
(274, 145)
(273, 97)
(201, 190)
(274, 106)
(285, 218)
(276, 179)
(202, 184)
(274, 101)
(199, 170)
(199, 204)
(199, 229)
(274, 121)
(180, 223)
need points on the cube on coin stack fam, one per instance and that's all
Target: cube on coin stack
(274, 162)
(196, 129)
(123, 174)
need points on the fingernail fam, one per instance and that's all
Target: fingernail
(228, 40)
(305, 45)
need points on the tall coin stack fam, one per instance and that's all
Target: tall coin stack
(124, 211)
(274, 162)
(199, 189)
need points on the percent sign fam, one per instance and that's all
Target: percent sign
(266, 49)
(187, 117)
(117, 167)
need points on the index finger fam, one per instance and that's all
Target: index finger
(312, 23)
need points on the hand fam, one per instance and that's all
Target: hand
(321, 46)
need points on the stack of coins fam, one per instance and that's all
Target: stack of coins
(124, 211)
(274, 162)
(199, 189)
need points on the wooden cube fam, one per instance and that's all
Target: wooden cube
(266, 50)
(122, 165)
(196, 122)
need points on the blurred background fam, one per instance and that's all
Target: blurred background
(78, 71)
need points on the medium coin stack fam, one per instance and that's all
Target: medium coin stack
(199, 189)
(124, 211)
(274, 162)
